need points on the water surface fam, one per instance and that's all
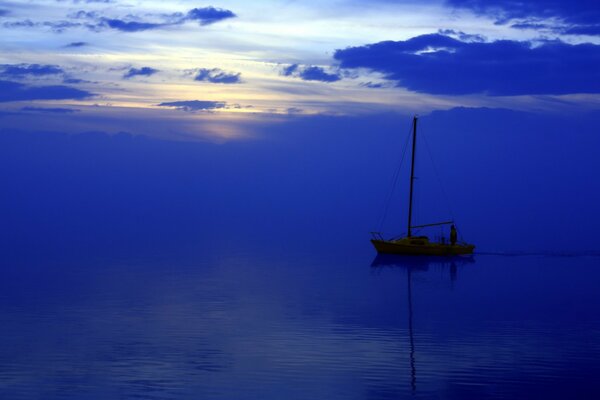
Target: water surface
(299, 324)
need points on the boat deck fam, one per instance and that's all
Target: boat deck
(421, 246)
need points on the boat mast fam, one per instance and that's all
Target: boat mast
(412, 175)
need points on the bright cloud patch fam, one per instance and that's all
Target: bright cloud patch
(439, 64)
(194, 105)
(217, 75)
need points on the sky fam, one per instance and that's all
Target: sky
(148, 118)
(186, 69)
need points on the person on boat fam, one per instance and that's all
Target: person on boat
(453, 235)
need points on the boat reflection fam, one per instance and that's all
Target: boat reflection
(414, 264)
(419, 262)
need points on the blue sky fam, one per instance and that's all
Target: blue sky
(214, 70)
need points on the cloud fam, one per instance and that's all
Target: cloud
(439, 64)
(131, 26)
(75, 81)
(95, 21)
(4, 12)
(82, 14)
(209, 15)
(465, 37)
(204, 16)
(77, 44)
(373, 85)
(50, 110)
(310, 73)
(532, 25)
(144, 71)
(195, 105)
(318, 74)
(289, 70)
(574, 11)
(15, 91)
(56, 26)
(21, 70)
(216, 75)
(579, 16)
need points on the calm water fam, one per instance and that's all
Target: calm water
(142, 269)
(299, 324)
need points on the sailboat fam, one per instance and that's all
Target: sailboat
(420, 245)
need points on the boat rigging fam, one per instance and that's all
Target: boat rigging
(420, 245)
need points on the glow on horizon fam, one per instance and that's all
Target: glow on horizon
(263, 38)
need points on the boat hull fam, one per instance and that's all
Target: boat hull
(426, 249)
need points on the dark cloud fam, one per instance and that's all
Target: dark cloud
(56, 26)
(82, 14)
(209, 15)
(532, 25)
(4, 12)
(61, 26)
(195, 105)
(130, 26)
(204, 16)
(573, 11)
(15, 91)
(578, 16)
(74, 80)
(21, 70)
(289, 70)
(318, 74)
(50, 110)
(144, 71)
(465, 37)
(440, 64)
(372, 85)
(310, 73)
(216, 75)
(95, 21)
(77, 44)
(20, 24)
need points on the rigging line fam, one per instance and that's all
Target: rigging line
(435, 170)
(394, 183)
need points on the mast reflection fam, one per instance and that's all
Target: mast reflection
(417, 264)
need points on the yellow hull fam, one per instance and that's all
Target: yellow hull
(424, 248)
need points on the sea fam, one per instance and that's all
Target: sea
(138, 268)
(297, 324)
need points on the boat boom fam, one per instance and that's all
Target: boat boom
(435, 224)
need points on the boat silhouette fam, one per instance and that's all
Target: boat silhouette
(420, 245)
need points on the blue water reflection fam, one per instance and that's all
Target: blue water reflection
(256, 325)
